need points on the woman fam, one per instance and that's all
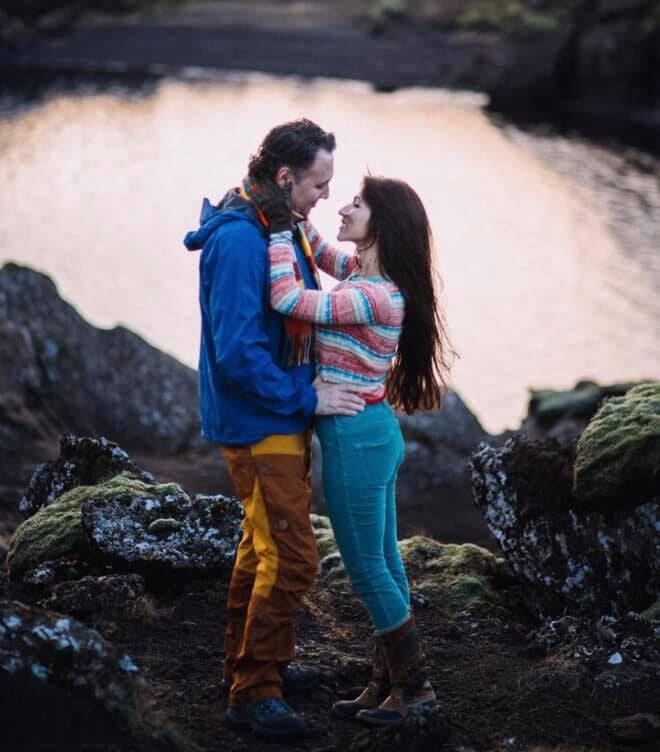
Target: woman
(380, 331)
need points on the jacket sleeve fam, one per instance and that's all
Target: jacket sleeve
(237, 270)
(359, 303)
(331, 260)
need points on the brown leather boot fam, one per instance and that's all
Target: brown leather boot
(376, 690)
(411, 688)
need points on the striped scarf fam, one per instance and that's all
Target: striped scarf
(299, 335)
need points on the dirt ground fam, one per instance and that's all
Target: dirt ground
(498, 689)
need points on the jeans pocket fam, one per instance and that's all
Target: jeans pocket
(375, 459)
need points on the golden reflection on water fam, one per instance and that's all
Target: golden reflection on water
(98, 192)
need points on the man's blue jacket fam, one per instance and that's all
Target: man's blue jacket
(244, 393)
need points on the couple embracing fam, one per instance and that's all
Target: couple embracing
(278, 356)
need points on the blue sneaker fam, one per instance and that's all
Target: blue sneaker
(271, 717)
(296, 677)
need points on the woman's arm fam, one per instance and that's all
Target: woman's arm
(331, 260)
(362, 303)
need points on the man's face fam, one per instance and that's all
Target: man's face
(313, 183)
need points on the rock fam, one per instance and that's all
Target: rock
(109, 523)
(60, 375)
(83, 461)
(116, 521)
(568, 556)
(91, 594)
(74, 681)
(325, 539)
(635, 729)
(53, 532)
(48, 573)
(422, 730)
(564, 414)
(618, 455)
(454, 577)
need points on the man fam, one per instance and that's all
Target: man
(257, 402)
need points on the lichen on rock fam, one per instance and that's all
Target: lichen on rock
(83, 461)
(569, 557)
(46, 661)
(109, 523)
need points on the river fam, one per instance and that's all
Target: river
(548, 245)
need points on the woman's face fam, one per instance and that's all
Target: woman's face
(354, 220)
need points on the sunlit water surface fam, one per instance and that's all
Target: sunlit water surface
(98, 191)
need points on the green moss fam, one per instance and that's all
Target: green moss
(325, 539)
(618, 454)
(56, 531)
(652, 612)
(454, 576)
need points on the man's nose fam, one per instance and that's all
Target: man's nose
(325, 193)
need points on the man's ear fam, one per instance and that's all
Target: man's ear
(283, 176)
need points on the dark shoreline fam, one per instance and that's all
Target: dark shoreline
(526, 81)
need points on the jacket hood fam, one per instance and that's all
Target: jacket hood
(233, 207)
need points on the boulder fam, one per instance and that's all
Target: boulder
(76, 683)
(83, 461)
(564, 413)
(122, 531)
(61, 375)
(90, 594)
(569, 557)
(109, 523)
(618, 455)
(455, 577)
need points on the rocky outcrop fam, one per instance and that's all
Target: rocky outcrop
(62, 375)
(68, 676)
(125, 522)
(83, 461)
(587, 561)
(563, 414)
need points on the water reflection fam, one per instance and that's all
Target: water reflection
(99, 190)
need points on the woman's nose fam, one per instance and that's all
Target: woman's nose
(344, 210)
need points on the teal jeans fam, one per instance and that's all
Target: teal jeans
(361, 458)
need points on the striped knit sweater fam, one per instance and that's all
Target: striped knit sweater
(358, 322)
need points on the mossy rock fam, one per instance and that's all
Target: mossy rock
(618, 454)
(652, 613)
(56, 531)
(325, 539)
(456, 577)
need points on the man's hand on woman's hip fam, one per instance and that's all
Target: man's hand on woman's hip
(337, 399)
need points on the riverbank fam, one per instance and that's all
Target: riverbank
(595, 70)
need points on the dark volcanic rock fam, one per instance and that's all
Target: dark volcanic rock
(421, 731)
(61, 374)
(564, 413)
(75, 682)
(91, 594)
(82, 462)
(586, 560)
(120, 528)
(119, 524)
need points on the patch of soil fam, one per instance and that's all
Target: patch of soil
(498, 689)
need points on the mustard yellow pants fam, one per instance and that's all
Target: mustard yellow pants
(276, 562)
